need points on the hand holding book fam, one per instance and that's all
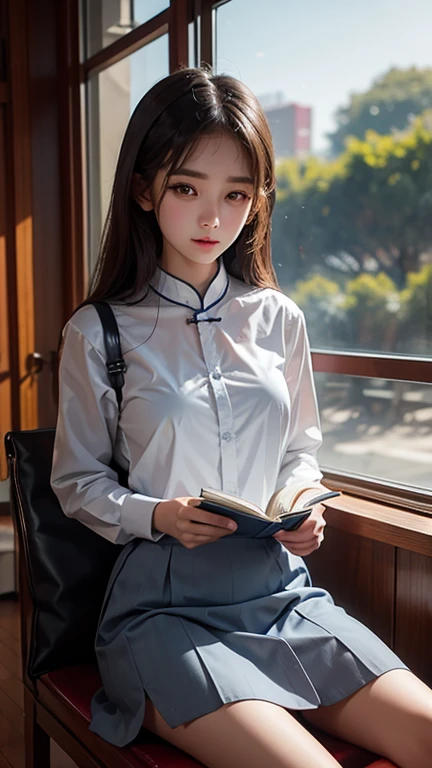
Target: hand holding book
(252, 521)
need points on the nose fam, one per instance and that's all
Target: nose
(209, 218)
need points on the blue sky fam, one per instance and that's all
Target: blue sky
(315, 51)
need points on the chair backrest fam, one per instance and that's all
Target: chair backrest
(64, 566)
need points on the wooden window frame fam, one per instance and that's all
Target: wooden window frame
(77, 74)
(418, 369)
(174, 20)
(71, 151)
(395, 368)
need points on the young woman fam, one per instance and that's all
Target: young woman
(211, 640)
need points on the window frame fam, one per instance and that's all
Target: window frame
(369, 365)
(174, 21)
(378, 366)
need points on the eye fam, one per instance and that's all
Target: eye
(243, 196)
(182, 189)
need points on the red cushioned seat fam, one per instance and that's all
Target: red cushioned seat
(75, 686)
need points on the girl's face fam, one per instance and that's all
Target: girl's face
(206, 203)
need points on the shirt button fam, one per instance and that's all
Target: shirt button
(217, 375)
(226, 436)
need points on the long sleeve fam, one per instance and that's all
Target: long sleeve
(85, 485)
(299, 467)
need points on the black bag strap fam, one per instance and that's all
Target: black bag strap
(115, 364)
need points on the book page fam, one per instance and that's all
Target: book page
(283, 503)
(279, 503)
(233, 502)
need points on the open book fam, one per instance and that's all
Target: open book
(281, 512)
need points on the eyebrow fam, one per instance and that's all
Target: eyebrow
(199, 175)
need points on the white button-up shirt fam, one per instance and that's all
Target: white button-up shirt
(227, 404)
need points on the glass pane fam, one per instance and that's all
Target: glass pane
(112, 97)
(376, 428)
(352, 228)
(193, 42)
(107, 20)
(4, 491)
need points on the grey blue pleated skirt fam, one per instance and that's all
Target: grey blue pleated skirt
(236, 619)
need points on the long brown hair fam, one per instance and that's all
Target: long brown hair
(164, 130)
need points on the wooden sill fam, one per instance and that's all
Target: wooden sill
(381, 522)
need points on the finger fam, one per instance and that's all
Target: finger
(304, 549)
(293, 538)
(302, 552)
(191, 540)
(201, 516)
(204, 529)
(301, 535)
(300, 549)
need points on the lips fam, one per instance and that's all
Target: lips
(205, 240)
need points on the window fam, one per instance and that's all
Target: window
(126, 46)
(105, 21)
(352, 230)
(348, 95)
(377, 428)
(112, 97)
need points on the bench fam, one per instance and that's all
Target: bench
(63, 570)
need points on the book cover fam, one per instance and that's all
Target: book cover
(252, 522)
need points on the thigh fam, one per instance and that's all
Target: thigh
(251, 733)
(391, 716)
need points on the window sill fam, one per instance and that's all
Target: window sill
(381, 522)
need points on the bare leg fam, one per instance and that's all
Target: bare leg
(391, 716)
(250, 733)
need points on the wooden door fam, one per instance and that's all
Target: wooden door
(8, 356)
(41, 271)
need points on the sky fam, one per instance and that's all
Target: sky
(314, 51)
(317, 51)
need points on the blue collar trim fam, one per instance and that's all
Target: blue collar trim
(178, 291)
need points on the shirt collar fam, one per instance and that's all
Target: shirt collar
(178, 291)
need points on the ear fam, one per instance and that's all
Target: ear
(141, 193)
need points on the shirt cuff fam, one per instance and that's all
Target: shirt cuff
(137, 516)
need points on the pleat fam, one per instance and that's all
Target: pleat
(233, 620)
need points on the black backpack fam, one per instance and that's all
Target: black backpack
(67, 564)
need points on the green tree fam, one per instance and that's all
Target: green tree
(416, 313)
(367, 211)
(390, 104)
(300, 217)
(321, 301)
(372, 303)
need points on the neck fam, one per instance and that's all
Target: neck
(198, 275)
